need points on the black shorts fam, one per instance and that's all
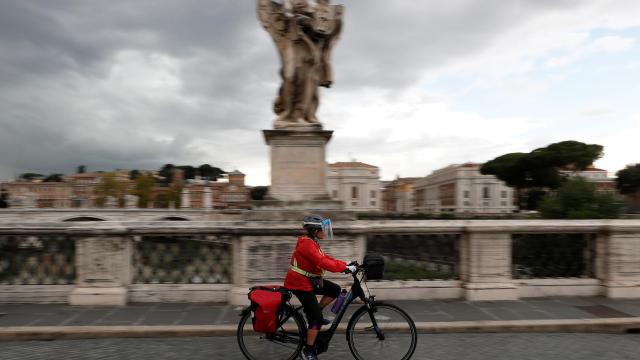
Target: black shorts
(310, 302)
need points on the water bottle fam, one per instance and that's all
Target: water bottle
(337, 305)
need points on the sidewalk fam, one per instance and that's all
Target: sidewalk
(570, 314)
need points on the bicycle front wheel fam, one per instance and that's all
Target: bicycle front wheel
(395, 338)
(285, 343)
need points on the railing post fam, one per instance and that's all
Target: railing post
(103, 270)
(621, 275)
(485, 267)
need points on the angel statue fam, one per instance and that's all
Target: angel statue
(304, 34)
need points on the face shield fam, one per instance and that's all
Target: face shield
(326, 229)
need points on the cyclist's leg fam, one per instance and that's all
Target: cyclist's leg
(329, 292)
(313, 312)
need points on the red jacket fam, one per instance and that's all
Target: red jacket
(310, 258)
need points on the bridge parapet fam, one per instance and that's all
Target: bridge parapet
(115, 262)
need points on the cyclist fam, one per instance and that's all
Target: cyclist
(305, 277)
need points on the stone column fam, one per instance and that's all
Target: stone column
(185, 199)
(207, 203)
(621, 265)
(485, 267)
(103, 271)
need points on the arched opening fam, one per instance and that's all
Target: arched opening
(83, 218)
(173, 218)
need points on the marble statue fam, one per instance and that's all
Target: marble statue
(305, 34)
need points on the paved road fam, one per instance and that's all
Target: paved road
(431, 347)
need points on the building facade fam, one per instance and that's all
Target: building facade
(356, 184)
(594, 175)
(463, 189)
(38, 194)
(398, 195)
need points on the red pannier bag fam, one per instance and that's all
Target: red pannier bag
(265, 305)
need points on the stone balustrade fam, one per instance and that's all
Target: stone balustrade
(112, 263)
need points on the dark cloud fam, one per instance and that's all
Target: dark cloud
(60, 105)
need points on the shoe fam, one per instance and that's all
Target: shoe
(325, 321)
(311, 355)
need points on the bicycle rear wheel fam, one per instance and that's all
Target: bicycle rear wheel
(396, 339)
(285, 343)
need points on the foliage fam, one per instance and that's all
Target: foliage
(539, 168)
(628, 179)
(4, 199)
(579, 199)
(166, 172)
(143, 188)
(133, 174)
(53, 178)
(109, 186)
(167, 198)
(259, 192)
(209, 172)
(30, 176)
(81, 169)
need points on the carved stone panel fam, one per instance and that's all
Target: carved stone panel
(103, 261)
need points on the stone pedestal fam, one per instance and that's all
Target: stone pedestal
(298, 166)
(485, 261)
(621, 275)
(103, 266)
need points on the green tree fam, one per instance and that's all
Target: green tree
(30, 176)
(166, 172)
(133, 174)
(53, 178)
(209, 172)
(628, 179)
(110, 186)
(539, 170)
(4, 199)
(579, 199)
(189, 172)
(143, 188)
(81, 169)
(259, 192)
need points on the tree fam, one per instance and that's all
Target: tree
(188, 171)
(209, 172)
(133, 174)
(579, 199)
(53, 178)
(4, 199)
(81, 169)
(110, 186)
(628, 179)
(259, 192)
(539, 170)
(143, 188)
(166, 172)
(30, 176)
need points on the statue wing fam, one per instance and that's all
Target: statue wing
(335, 35)
(271, 15)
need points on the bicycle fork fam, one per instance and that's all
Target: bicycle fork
(374, 324)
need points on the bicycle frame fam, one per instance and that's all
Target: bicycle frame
(356, 291)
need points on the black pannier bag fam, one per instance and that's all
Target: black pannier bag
(373, 267)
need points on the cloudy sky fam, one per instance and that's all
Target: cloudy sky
(418, 84)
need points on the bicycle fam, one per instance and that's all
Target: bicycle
(388, 332)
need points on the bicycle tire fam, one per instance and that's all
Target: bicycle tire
(396, 325)
(259, 346)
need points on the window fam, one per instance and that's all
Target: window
(467, 203)
(373, 203)
(466, 194)
(485, 204)
(485, 192)
(354, 192)
(334, 194)
(354, 203)
(373, 194)
(503, 194)
(503, 203)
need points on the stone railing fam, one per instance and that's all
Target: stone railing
(91, 263)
